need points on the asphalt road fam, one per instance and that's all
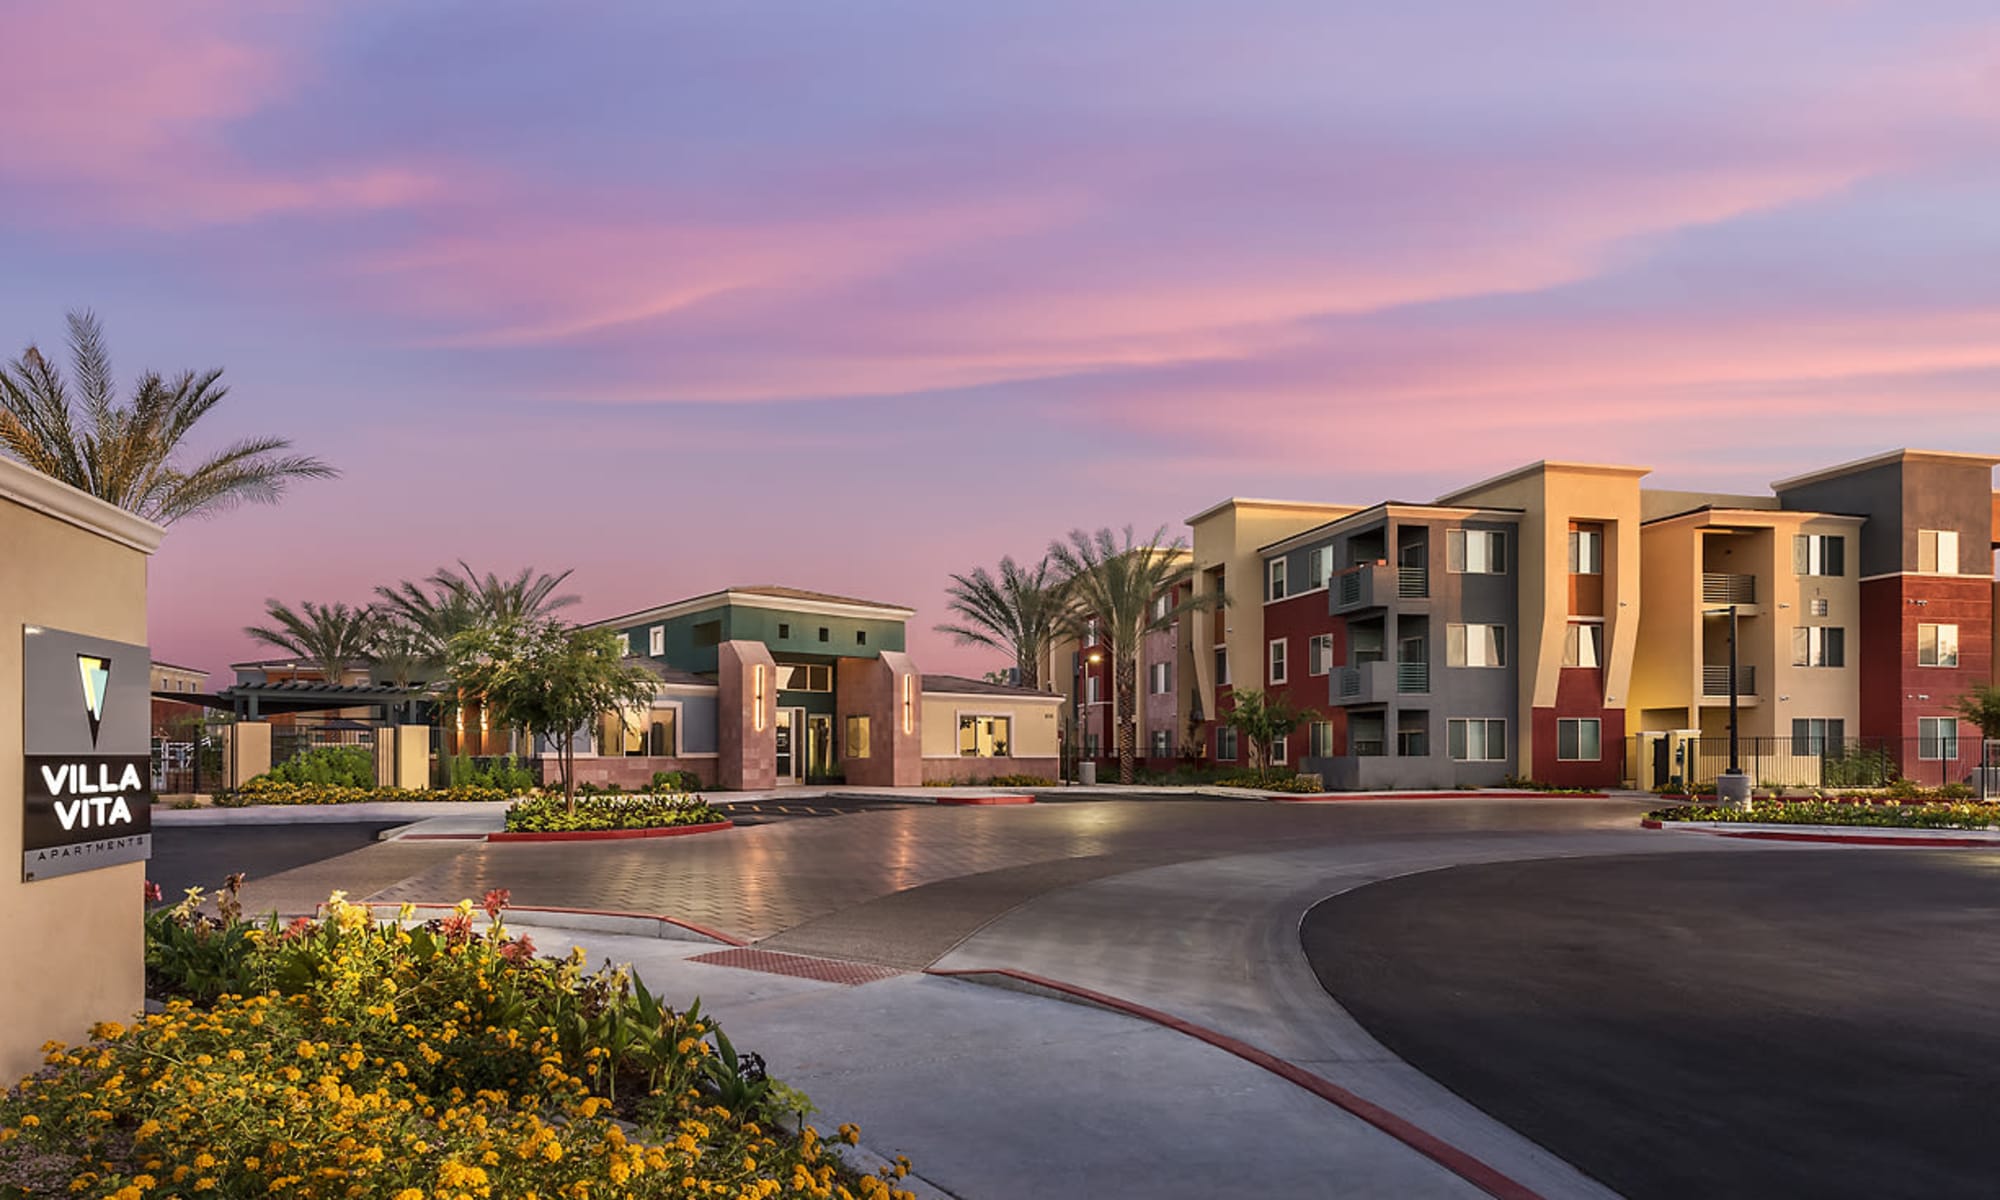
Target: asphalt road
(1793, 1023)
(200, 856)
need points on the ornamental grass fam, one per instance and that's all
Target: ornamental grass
(344, 1057)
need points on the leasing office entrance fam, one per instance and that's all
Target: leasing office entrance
(804, 745)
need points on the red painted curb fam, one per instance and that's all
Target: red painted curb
(1944, 837)
(1327, 797)
(958, 801)
(1446, 1155)
(726, 939)
(607, 835)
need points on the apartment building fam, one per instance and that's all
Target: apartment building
(1563, 622)
(1925, 595)
(1083, 669)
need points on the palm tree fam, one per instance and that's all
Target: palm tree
(328, 636)
(127, 454)
(1016, 613)
(1110, 588)
(523, 599)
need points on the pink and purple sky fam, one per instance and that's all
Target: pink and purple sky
(850, 296)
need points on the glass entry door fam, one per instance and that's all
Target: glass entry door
(819, 746)
(789, 733)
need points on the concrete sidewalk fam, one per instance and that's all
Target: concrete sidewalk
(995, 1094)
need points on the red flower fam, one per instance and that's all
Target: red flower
(518, 950)
(299, 927)
(153, 893)
(495, 903)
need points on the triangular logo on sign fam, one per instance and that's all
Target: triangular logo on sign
(96, 674)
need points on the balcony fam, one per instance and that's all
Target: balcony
(1374, 585)
(1719, 588)
(1379, 682)
(1715, 683)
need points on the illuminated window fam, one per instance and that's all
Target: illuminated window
(1475, 645)
(1819, 646)
(1583, 644)
(1475, 551)
(1819, 554)
(1937, 551)
(857, 737)
(985, 737)
(1586, 551)
(1937, 645)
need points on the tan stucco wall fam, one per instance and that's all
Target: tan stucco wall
(1667, 668)
(71, 946)
(1551, 495)
(1034, 723)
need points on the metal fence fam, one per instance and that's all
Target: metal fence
(1812, 763)
(186, 767)
(291, 740)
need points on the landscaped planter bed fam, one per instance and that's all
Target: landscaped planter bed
(346, 1057)
(1885, 814)
(597, 835)
(610, 814)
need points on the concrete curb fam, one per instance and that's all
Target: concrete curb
(596, 835)
(870, 1161)
(1839, 835)
(1476, 794)
(1458, 1162)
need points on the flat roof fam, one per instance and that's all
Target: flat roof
(177, 667)
(1884, 459)
(1541, 465)
(959, 685)
(1766, 516)
(1384, 509)
(1254, 502)
(762, 596)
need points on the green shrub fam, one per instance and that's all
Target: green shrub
(264, 790)
(551, 813)
(335, 766)
(675, 781)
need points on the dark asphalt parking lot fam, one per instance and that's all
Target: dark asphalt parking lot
(1794, 1023)
(187, 856)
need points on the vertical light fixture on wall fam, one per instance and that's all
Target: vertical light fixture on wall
(909, 704)
(757, 697)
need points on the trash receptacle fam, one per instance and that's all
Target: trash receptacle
(1086, 773)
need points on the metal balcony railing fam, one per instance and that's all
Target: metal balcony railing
(1728, 589)
(1413, 677)
(1413, 582)
(1413, 743)
(1715, 680)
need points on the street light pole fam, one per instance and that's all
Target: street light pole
(1733, 788)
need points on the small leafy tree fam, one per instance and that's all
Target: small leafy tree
(550, 680)
(1981, 706)
(1262, 719)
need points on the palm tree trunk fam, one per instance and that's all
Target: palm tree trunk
(1127, 692)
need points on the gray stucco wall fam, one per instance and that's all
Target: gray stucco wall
(698, 733)
(1875, 493)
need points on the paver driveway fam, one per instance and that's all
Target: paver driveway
(903, 885)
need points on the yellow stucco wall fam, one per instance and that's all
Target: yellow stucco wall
(1034, 722)
(71, 945)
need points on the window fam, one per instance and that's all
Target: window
(857, 736)
(1278, 749)
(1319, 654)
(1092, 689)
(1818, 736)
(1583, 644)
(984, 737)
(1276, 569)
(664, 737)
(1819, 554)
(1319, 567)
(1277, 660)
(805, 677)
(1476, 551)
(1937, 738)
(1817, 606)
(825, 634)
(708, 633)
(632, 642)
(861, 637)
(1091, 746)
(1162, 605)
(1586, 552)
(1937, 645)
(1221, 666)
(1819, 646)
(1159, 678)
(1937, 551)
(784, 631)
(1225, 743)
(1476, 739)
(1321, 739)
(1162, 743)
(656, 640)
(1577, 739)
(1475, 645)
